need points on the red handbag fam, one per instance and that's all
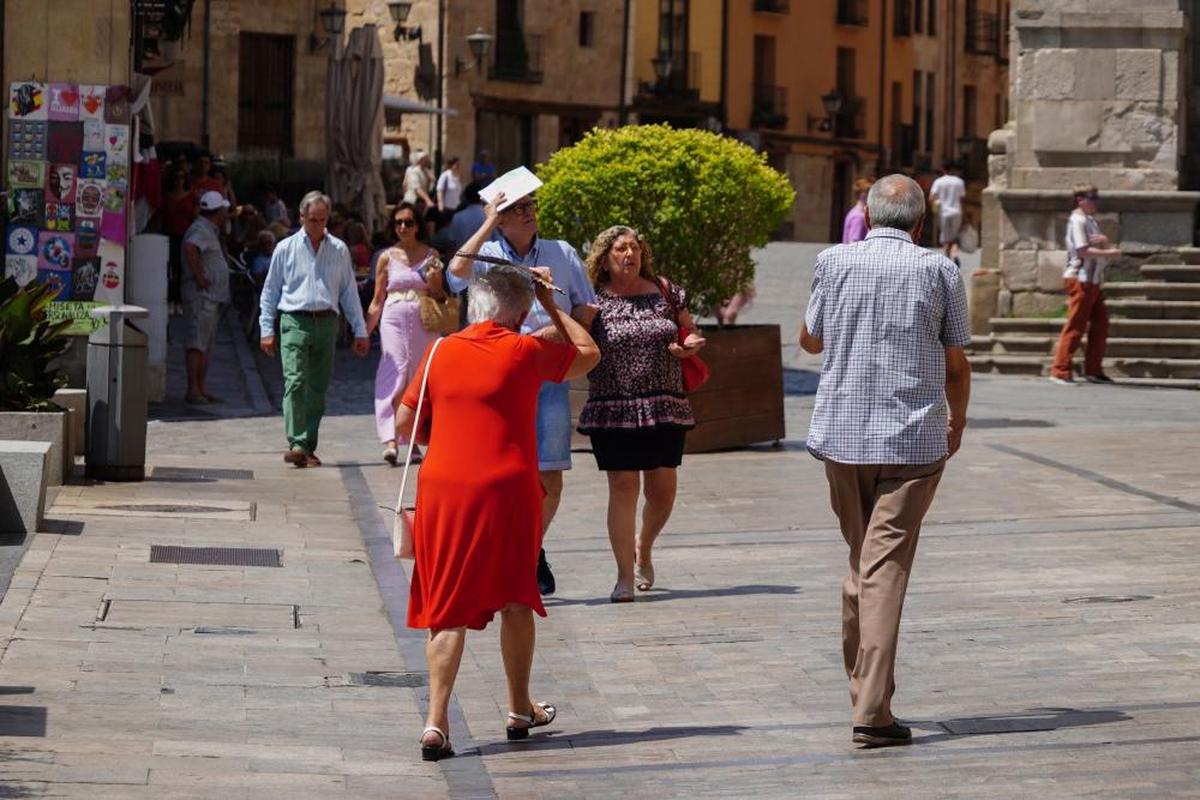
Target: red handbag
(695, 372)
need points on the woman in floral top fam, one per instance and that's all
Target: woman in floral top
(637, 413)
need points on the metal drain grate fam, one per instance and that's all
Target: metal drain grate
(163, 508)
(221, 556)
(200, 474)
(407, 680)
(1109, 598)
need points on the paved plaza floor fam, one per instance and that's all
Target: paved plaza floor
(1050, 644)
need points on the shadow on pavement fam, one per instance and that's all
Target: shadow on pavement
(1029, 721)
(63, 527)
(662, 594)
(561, 740)
(800, 381)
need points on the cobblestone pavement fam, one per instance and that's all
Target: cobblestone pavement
(1049, 646)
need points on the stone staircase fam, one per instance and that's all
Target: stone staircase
(1153, 337)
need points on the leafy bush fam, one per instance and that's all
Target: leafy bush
(28, 343)
(702, 200)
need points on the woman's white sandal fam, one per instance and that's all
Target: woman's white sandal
(430, 752)
(519, 733)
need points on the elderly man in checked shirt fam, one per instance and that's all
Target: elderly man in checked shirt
(310, 278)
(891, 318)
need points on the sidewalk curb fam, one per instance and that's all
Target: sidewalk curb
(256, 389)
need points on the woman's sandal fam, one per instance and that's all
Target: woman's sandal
(431, 752)
(516, 734)
(643, 577)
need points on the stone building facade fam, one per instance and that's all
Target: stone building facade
(1098, 96)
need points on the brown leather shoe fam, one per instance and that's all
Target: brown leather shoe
(312, 460)
(296, 457)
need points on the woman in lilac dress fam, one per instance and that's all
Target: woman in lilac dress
(637, 413)
(405, 271)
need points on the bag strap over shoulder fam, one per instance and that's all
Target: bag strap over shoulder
(412, 439)
(664, 287)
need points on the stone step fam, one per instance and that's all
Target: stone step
(1173, 273)
(1151, 368)
(1152, 290)
(1154, 309)
(1128, 347)
(1132, 328)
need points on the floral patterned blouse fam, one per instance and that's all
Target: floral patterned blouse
(638, 384)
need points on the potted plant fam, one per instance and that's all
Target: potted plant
(28, 343)
(704, 201)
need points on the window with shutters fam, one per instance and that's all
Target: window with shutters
(266, 92)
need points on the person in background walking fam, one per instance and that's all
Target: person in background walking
(636, 414)
(519, 243)
(205, 287)
(891, 318)
(947, 194)
(1088, 250)
(274, 209)
(179, 210)
(483, 171)
(449, 190)
(406, 271)
(478, 521)
(418, 182)
(310, 278)
(854, 228)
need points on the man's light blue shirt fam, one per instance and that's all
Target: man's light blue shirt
(303, 280)
(564, 265)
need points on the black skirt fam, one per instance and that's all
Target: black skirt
(636, 450)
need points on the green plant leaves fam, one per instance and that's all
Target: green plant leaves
(701, 199)
(28, 343)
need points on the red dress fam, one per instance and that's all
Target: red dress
(479, 498)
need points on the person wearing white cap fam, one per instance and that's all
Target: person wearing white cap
(205, 286)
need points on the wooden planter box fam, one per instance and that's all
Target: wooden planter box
(741, 404)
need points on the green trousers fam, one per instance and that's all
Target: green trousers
(306, 346)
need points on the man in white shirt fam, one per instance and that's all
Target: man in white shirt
(1088, 250)
(449, 189)
(947, 193)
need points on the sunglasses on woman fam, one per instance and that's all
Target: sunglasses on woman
(406, 222)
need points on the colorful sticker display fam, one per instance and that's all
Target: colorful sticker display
(67, 184)
(21, 240)
(21, 268)
(64, 102)
(27, 100)
(26, 174)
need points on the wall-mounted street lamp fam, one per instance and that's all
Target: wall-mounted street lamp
(333, 22)
(400, 9)
(480, 44)
(662, 67)
(832, 102)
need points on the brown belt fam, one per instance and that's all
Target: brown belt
(324, 312)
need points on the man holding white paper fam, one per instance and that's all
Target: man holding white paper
(513, 211)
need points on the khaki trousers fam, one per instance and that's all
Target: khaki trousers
(880, 508)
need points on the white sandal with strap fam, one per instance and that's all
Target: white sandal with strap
(516, 734)
(430, 752)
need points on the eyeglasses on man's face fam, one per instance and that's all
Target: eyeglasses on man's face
(525, 209)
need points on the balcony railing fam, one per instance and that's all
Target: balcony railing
(850, 121)
(852, 12)
(772, 6)
(518, 57)
(904, 145)
(983, 33)
(682, 83)
(770, 107)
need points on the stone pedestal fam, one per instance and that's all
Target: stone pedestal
(24, 473)
(1096, 98)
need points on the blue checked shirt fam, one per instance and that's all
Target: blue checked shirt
(564, 265)
(886, 310)
(302, 280)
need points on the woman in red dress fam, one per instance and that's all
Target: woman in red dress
(479, 502)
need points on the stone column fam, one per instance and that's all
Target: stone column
(1096, 97)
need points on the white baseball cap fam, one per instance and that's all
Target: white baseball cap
(211, 201)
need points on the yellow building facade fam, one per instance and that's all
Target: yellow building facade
(835, 90)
